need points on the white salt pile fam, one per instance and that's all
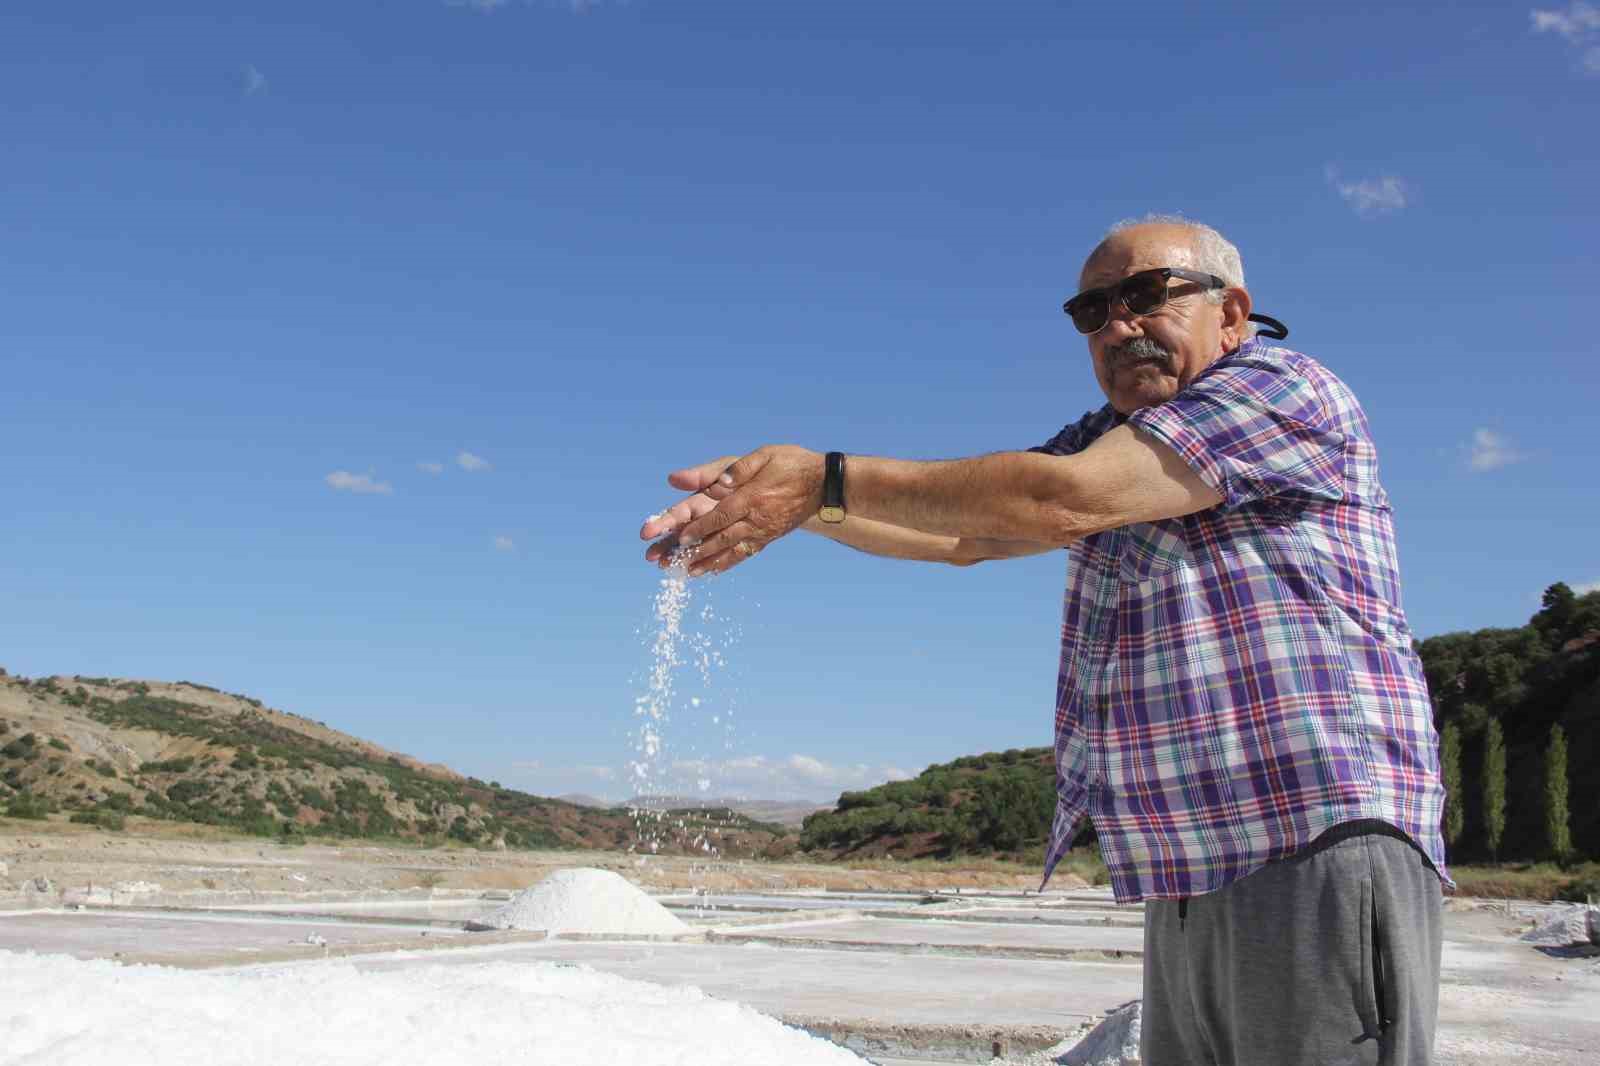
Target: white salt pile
(1114, 1042)
(586, 901)
(66, 1012)
(1566, 926)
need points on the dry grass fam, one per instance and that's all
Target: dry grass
(1531, 881)
(1084, 862)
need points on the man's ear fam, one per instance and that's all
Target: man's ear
(1235, 317)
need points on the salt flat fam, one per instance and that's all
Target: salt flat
(891, 975)
(938, 933)
(178, 939)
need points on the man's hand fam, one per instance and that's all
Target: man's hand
(702, 481)
(738, 507)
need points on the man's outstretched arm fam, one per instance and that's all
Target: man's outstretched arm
(863, 534)
(1123, 477)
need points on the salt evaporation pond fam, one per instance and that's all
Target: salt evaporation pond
(68, 1012)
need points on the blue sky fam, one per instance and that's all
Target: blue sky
(345, 346)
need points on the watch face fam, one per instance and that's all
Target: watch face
(832, 515)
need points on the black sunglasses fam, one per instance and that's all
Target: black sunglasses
(1144, 293)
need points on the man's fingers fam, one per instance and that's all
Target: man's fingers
(677, 516)
(726, 550)
(711, 523)
(742, 472)
(698, 478)
(728, 539)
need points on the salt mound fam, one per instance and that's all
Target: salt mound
(1567, 926)
(1114, 1042)
(586, 901)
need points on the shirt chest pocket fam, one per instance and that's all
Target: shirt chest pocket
(1154, 550)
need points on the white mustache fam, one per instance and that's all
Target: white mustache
(1138, 350)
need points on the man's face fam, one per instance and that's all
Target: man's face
(1144, 360)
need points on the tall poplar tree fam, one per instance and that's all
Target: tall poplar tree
(1494, 786)
(1455, 808)
(1557, 820)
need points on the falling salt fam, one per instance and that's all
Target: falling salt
(687, 649)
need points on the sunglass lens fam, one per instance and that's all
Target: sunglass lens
(1143, 293)
(1089, 311)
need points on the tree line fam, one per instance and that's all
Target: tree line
(1518, 712)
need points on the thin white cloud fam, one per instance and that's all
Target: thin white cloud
(1587, 587)
(786, 777)
(361, 484)
(254, 81)
(527, 764)
(431, 468)
(1371, 197)
(1491, 451)
(1579, 26)
(472, 463)
(1576, 23)
(488, 7)
(504, 544)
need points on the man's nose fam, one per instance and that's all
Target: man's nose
(1122, 325)
(1120, 313)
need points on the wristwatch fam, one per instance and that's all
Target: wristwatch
(832, 509)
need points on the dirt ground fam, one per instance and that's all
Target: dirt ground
(44, 864)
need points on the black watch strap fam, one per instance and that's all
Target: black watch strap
(832, 488)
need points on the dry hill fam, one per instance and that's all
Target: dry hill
(104, 750)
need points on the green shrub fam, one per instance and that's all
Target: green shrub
(187, 791)
(1585, 883)
(59, 744)
(313, 798)
(103, 819)
(168, 766)
(27, 805)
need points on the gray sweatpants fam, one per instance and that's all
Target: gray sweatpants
(1328, 956)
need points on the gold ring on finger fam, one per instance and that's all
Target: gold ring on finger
(744, 548)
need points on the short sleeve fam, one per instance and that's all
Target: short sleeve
(1253, 431)
(1079, 435)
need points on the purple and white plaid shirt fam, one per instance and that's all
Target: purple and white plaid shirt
(1236, 681)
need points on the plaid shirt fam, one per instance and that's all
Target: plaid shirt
(1236, 681)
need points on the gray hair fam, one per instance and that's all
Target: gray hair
(1213, 253)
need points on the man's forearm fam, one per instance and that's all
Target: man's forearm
(890, 541)
(898, 542)
(1008, 496)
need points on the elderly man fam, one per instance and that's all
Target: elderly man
(1240, 711)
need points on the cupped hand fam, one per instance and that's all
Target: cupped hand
(737, 509)
(702, 482)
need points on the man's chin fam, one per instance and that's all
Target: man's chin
(1142, 388)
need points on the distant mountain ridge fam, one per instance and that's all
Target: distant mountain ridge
(791, 813)
(105, 750)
